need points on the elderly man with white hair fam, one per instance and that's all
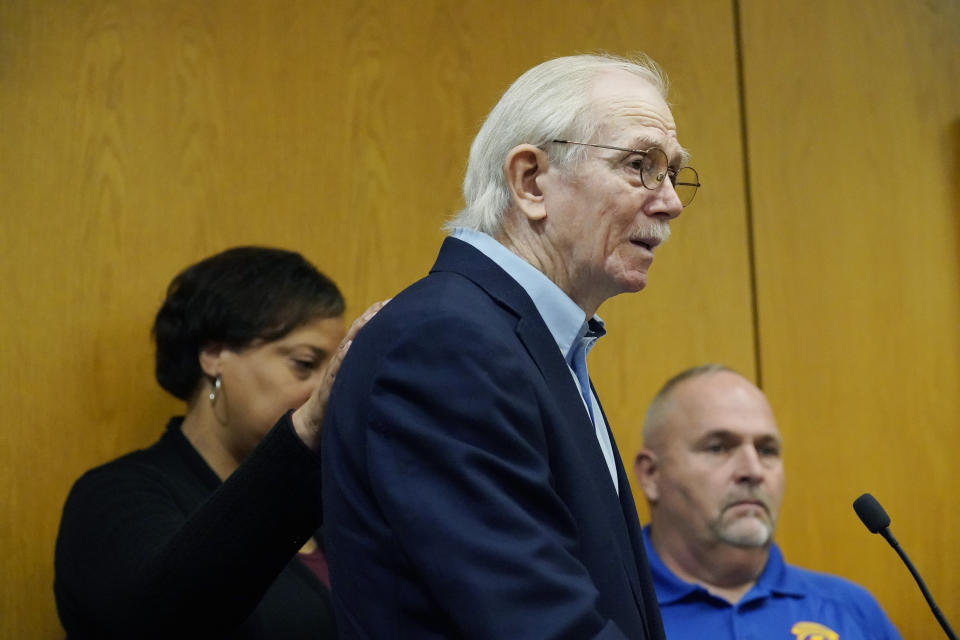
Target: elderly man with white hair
(472, 484)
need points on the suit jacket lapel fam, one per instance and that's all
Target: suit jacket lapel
(460, 257)
(540, 344)
(631, 541)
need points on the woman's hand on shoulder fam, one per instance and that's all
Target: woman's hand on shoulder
(307, 420)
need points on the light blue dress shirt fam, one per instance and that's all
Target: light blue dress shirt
(566, 321)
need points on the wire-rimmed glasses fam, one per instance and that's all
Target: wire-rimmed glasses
(654, 168)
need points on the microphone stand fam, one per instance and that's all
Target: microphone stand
(888, 536)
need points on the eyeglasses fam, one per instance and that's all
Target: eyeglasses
(654, 167)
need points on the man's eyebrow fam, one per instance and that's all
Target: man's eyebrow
(724, 434)
(643, 143)
(679, 158)
(728, 434)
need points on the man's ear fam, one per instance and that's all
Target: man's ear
(645, 469)
(210, 359)
(523, 165)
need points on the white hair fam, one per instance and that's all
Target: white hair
(550, 101)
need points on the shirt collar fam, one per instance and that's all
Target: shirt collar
(669, 587)
(564, 319)
(775, 579)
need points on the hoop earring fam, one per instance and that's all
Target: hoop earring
(216, 388)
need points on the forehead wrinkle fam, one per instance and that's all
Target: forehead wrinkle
(648, 120)
(621, 106)
(646, 115)
(631, 117)
(626, 96)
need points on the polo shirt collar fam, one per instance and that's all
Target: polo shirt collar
(776, 579)
(669, 587)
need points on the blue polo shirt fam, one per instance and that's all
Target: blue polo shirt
(786, 602)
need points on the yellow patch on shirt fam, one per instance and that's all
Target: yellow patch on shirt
(813, 631)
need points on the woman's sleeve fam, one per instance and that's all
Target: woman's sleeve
(133, 561)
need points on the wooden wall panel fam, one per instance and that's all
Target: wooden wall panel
(697, 305)
(854, 154)
(139, 136)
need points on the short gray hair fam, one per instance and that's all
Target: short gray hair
(657, 411)
(550, 101)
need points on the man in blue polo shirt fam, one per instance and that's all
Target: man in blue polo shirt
(712, 474)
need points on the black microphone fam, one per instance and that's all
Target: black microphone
(877, 521)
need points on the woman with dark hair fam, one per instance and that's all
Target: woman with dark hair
(212, 531)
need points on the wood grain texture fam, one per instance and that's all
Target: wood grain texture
(854, 156)
(140, 136)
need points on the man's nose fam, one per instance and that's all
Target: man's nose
(668, 201)
(749, 466)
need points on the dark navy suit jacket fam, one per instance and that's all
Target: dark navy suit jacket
(464, 491)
